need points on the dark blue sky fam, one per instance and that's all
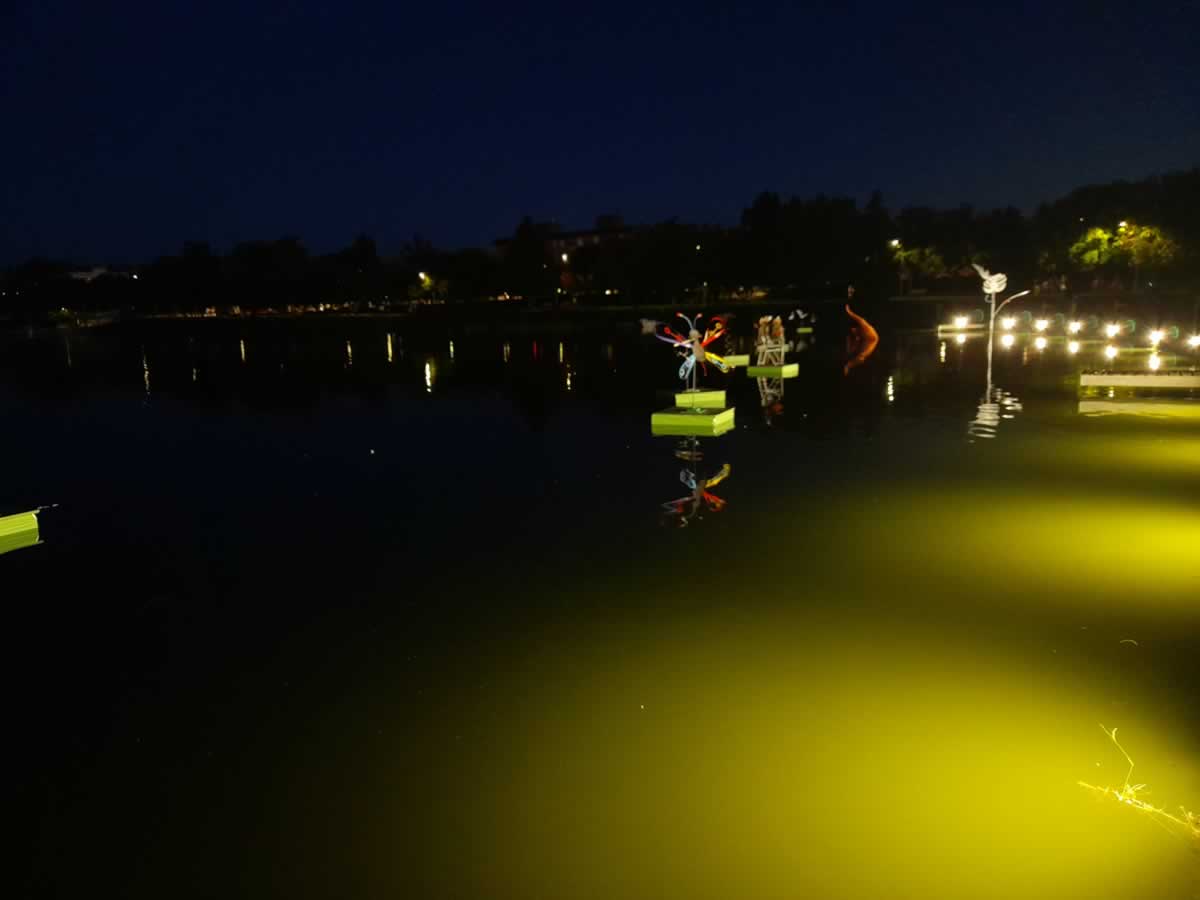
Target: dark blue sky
(131, 127)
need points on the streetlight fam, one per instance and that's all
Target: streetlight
(1073, 347)
(894, 243)
(1194, 340)
(960, 321)
(1156, 337)
(1075, 327)
(1007, 341)
(564, 259)
(1110, 352)
(1041, 324)
(1112, 329)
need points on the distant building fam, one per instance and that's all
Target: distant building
(90, 275)
(608, 229)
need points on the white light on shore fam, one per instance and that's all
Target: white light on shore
(1110, 351)
(1155, 362)
(1040, 343)
(1194, 340)
(1007, 340)
(1156, 336)
(1008, 323)
(1073, 347)
(1112, 329)
(1075, 327)
(960, 339)
(1041, 324)
(960, 321)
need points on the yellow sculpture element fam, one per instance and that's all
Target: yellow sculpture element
(1187, 820)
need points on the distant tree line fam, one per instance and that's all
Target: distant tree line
(1142, 235)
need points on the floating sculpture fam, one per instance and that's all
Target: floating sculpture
(861, 342)
(992, 284)
(694, 347)
(770, 343)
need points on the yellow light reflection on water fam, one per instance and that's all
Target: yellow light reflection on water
(507, 351)
(794, 757)
(452, 350)
(430, 375)
(349, 355)
(942, 352)
(242, 348)
(389, 348)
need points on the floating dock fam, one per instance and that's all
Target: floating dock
(18, 532)
(701, 399)
(691, 421)
(1162, 409)
(790, 370)
(1182, 381)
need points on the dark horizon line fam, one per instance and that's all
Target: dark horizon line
(219, 249)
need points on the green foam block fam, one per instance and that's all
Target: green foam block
(18, 532)
(742, 359)
(701, 399)
(791, 370)
(690, 421)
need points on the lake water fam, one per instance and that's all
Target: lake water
(354, 608)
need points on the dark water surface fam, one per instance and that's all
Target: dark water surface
(320, 616)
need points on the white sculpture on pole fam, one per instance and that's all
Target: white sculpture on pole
(989, 415)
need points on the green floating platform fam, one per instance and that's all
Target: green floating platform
(738, 359)
(701, 399)
(18, 532)
(691, 422)
(791, 370)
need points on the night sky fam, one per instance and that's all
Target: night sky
(129, 128)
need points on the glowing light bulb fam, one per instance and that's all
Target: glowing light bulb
(1008, 323)
(960, 339)
(1041, 324)
(1156, 336)
(1110, 351)
(1007, 340)
(1040, 343)
(1194, 340)
(1073, 347)
(1075, 327)
(1155, 362)
(960, 321)
(1112, 329)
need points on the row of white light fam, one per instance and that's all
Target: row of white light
(1111, 330)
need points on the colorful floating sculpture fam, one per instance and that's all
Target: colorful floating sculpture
(861, 342)
(694, 347)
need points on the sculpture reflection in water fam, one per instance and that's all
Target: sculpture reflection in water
(770, 394)
(997, 404)
(699, 500)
